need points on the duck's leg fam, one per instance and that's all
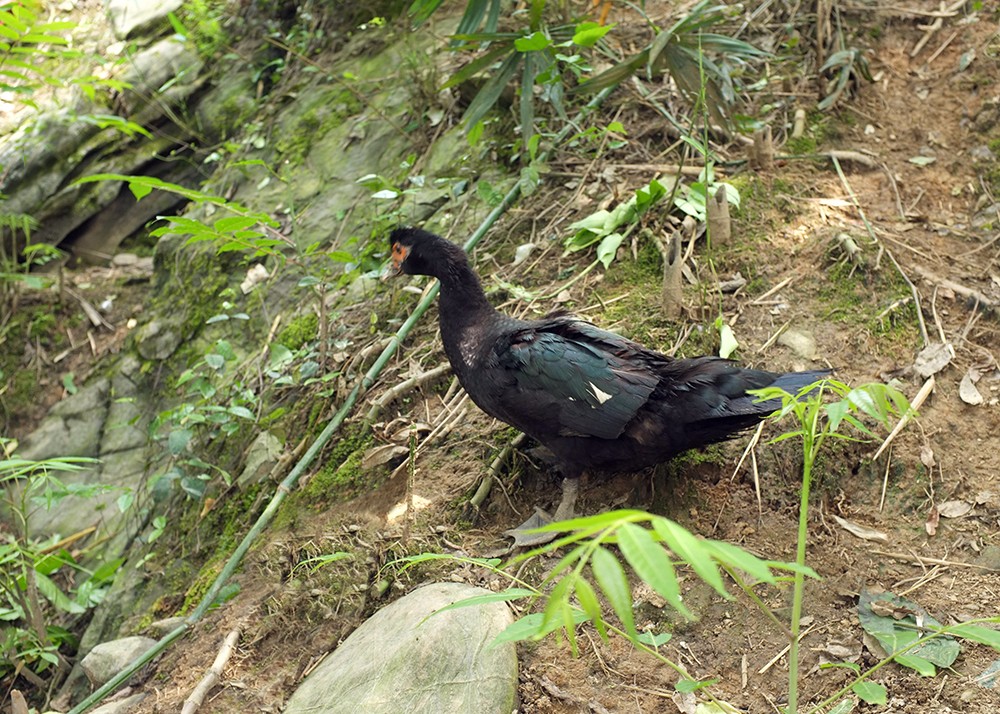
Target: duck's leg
(565, 511)
(567, 504)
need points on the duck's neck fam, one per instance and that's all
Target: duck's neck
(465, 313)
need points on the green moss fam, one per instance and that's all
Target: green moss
(802, 145)
(202, 582)
(327, 112)
(341, 476)
(299, 331)
(873, 300)
(992, 172)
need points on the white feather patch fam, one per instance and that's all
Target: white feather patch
(601, 396)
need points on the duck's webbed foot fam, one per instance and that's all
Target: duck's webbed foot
(565, 511)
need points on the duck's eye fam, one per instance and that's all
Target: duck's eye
(399, 253)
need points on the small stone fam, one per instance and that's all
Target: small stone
(800, 342)
(157, 340)
(109, 658)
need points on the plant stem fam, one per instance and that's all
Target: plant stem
(809, 447)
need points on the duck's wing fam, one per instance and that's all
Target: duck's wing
(574, 378)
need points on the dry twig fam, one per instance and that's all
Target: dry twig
(914, 406)
(213, 675)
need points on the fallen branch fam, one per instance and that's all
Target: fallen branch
(479, 497)
(213, 676)
(923, 560)
(393, 393)
(975, 297)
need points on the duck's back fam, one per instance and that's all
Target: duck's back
(600, 401)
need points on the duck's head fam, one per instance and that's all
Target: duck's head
(418, 252)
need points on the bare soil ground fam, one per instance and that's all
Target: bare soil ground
(922, 104)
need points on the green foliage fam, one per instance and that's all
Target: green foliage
(542, 56)
(25, 42)
(204, 25)
(704, 65)
(898, 630)
(652, 546)
(214, 406)
(303, 329)
(43, 589)
(604, 225)
(846, 65)
(18, 256)
(819, 420)
(34, 53)
(252, 232)
(342, 476)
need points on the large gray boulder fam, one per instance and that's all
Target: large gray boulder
(130, 18)
(406, 659)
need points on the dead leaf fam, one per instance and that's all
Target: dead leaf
(861, 531)
(897, 611)
(835, 652)
(564, 296)
(522, 253)
(931, 524)
(954, 509)
(686, 702)
(401, 434)
(927, 456)
(932, 359)
(967, 388)
(643, 593)
(383, 454)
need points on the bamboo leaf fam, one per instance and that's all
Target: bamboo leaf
(492, 90)
(477, 65)
(587, 597)
(530, 627)
(56, 596)
(528, 97)
(689, 549)
(740, 559)
(611, 578)
(977, 633)
(614, 76)
(651, 563)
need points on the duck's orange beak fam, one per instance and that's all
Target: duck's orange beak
(395, 265)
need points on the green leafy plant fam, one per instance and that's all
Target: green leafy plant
(542, 56)
(252, 232)
(33, 53)
(214, 405)
(844, 65)
(911, 638)
(818, 421)
(43, 589)
(26, 42)
(18, 256)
